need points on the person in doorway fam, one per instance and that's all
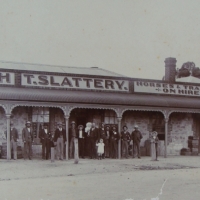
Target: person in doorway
(27, 138)
(136, 137)
(92, 135)
(72, 136)
(45, 138)
(88, 127)
(13, 140)
(81, 141)
(107, 141)
(60, 139)
(125, 137)
(114, 137)
(100, 149)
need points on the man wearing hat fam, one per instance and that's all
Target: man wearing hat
(136, 137)
(60, 139)
(93, 137)
(114, 137)
(27, 138)
(45, 138)
(107, 141)
(125, 137)
(72, 136)
(13, 140)
(81, 141)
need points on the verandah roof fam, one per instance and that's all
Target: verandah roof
(89, 97)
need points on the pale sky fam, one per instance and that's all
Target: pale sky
(129, 37)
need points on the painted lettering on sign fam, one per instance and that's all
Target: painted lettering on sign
(166, 88)
(7, 78)
(74, 82)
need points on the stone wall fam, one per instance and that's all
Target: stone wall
(146, 121)
(142, 119)
(2, 125)
(20, 116)
(181, 127)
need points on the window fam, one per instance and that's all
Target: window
(110, 117)
(40, 115)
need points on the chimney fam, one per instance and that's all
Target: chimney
(170, 69)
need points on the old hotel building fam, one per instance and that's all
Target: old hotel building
(42, 93)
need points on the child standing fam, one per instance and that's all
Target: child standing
(100, 149)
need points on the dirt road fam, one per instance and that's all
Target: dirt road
(99, 180)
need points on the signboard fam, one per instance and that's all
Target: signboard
(166, 88)
(74, 82)
(7, 78)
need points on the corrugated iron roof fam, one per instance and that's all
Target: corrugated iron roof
(58, 69)
(89, 97)
(188, 79)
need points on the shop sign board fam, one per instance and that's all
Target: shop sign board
(74, 82)
(166, 88)
(7, 78)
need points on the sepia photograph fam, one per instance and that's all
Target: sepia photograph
(99, 99)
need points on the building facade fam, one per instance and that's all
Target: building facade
(49, 94)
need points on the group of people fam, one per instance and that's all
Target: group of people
(57, 140)
(46, 138)
(126, 137)
(101, 142)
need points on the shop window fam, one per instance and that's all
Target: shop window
(56, 115)
(40, 115)
(110, 117)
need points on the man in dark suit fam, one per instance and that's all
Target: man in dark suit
(114, 137)
(13, 140)
(107, 141)
(136, 137)
(125, 137)
(60, 139)
(45, 138)
(81, 141)
(72, 136)
(27, 138)
(93, 136)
